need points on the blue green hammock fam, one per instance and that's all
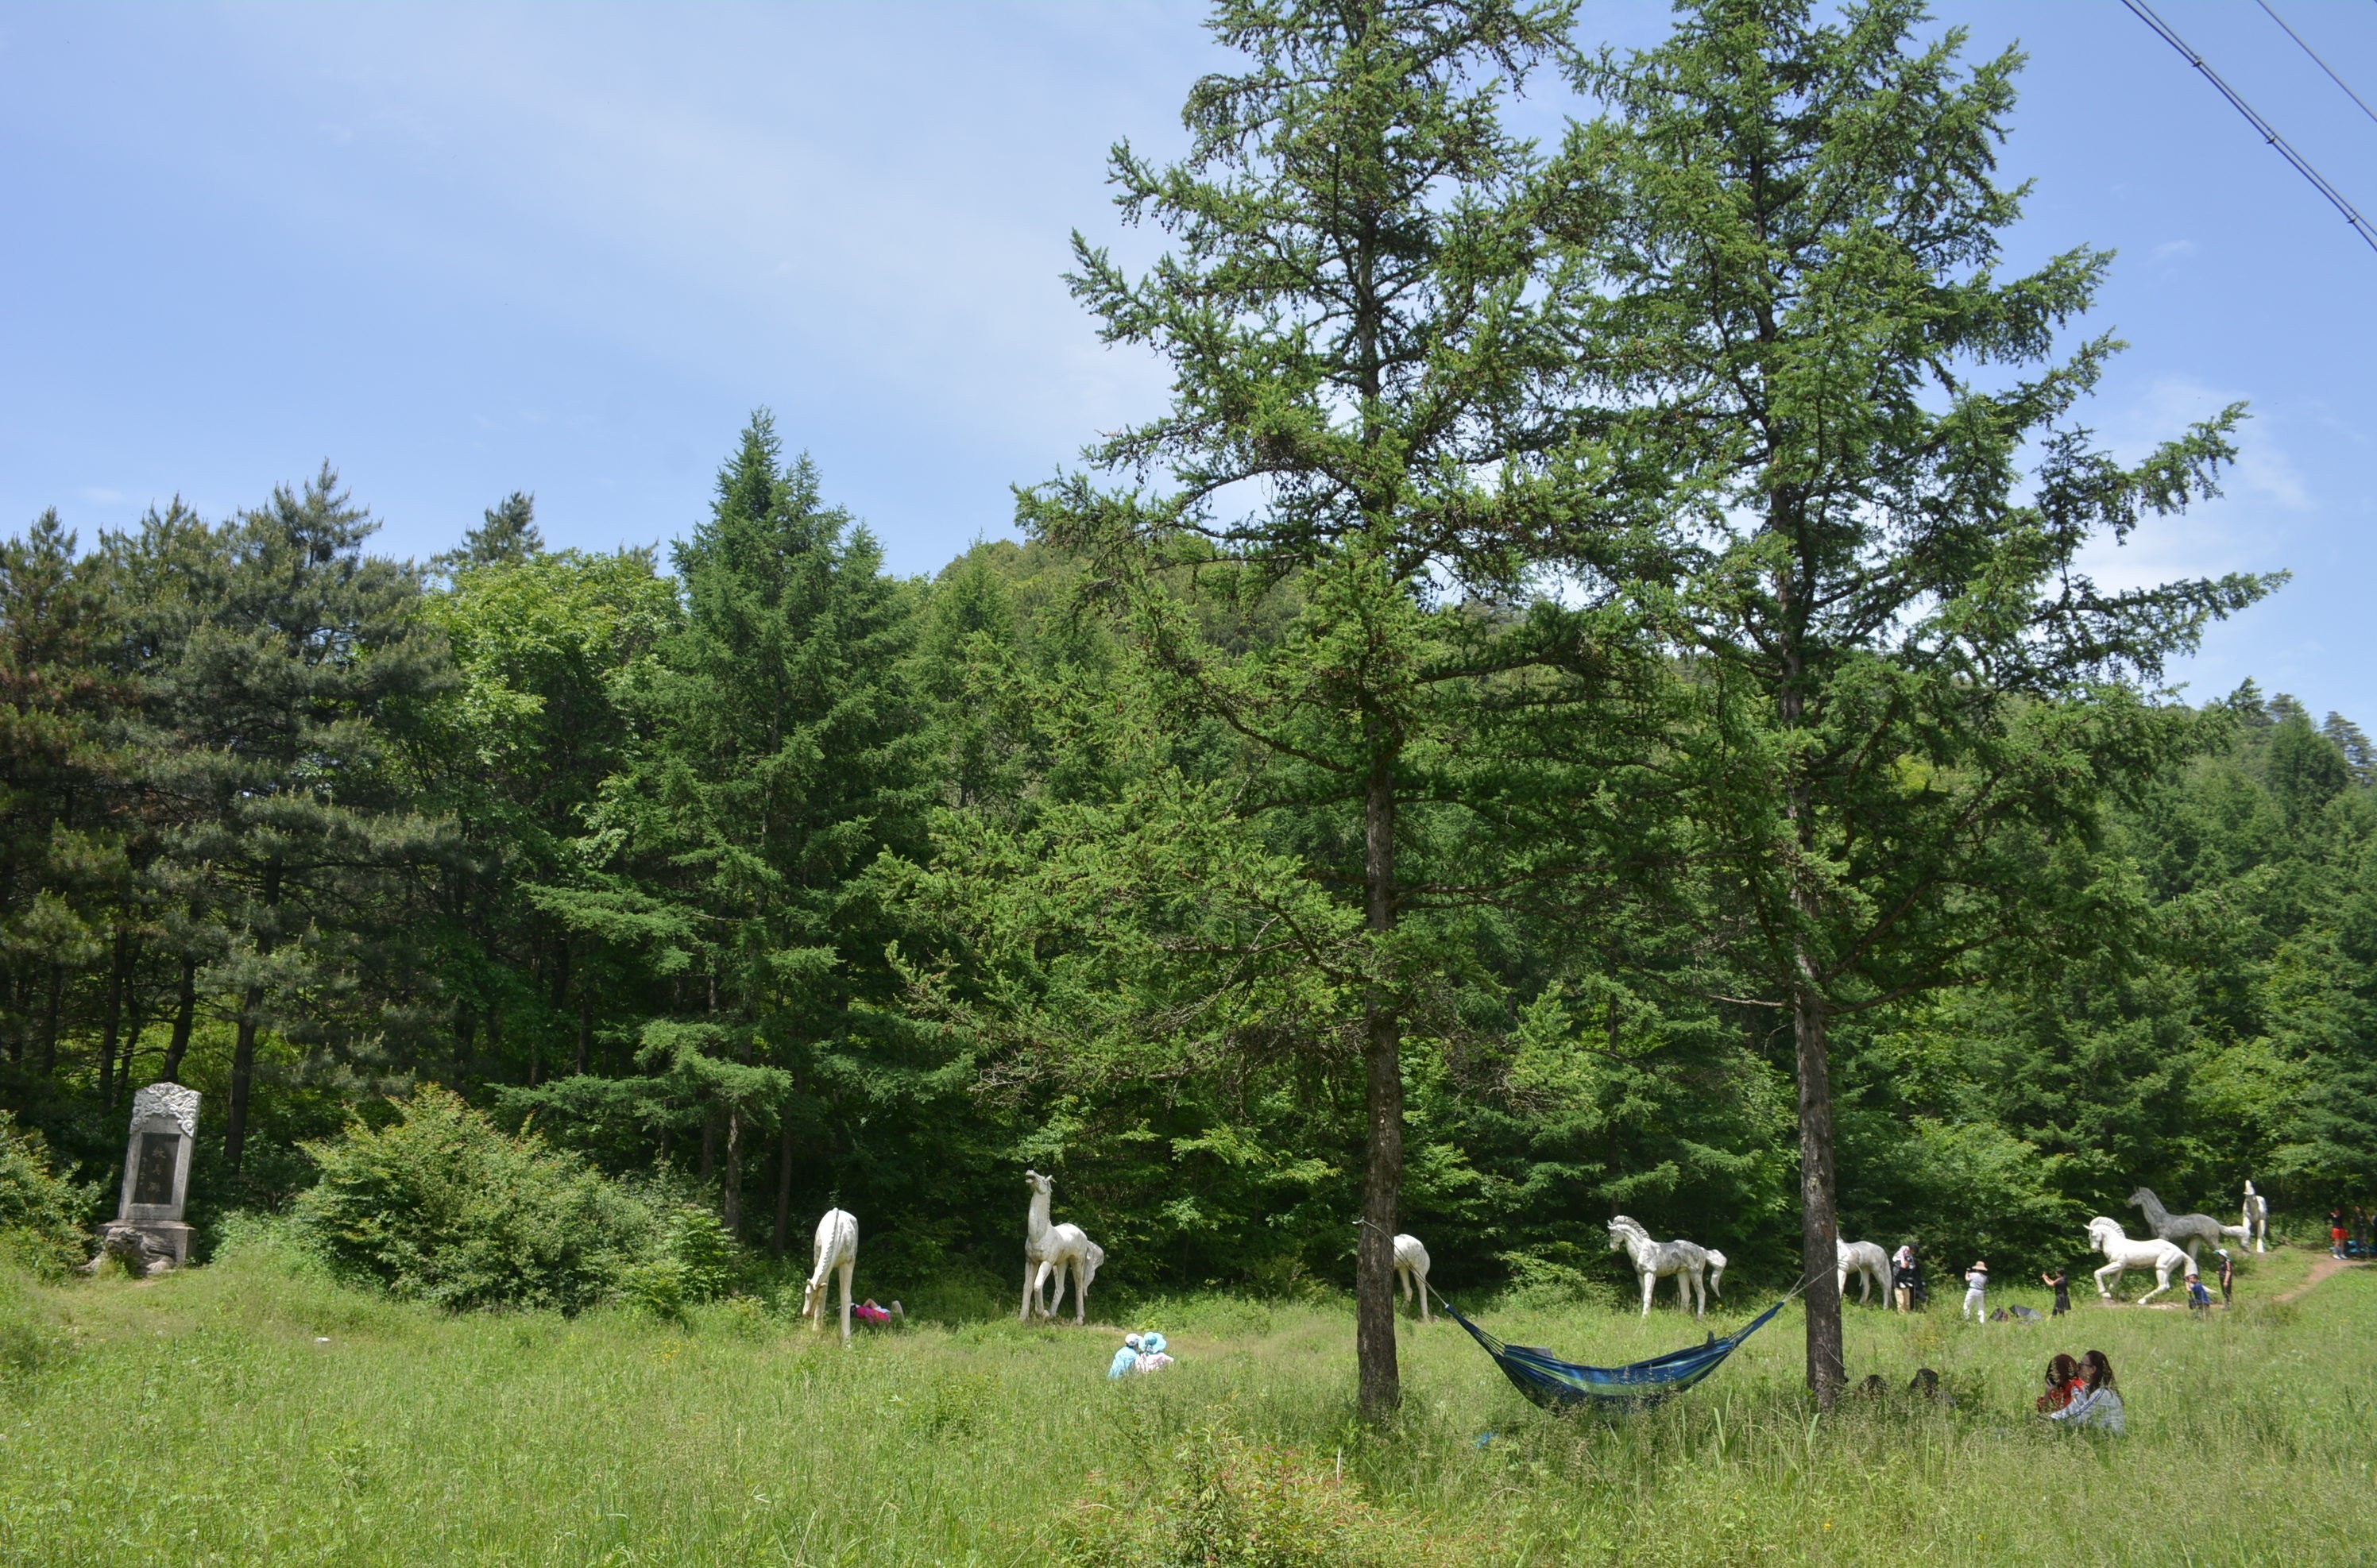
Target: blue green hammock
(1553, 1383)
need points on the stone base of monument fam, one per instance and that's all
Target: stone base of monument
(148, 1247)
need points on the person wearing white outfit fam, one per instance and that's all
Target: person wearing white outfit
(1977, 1281)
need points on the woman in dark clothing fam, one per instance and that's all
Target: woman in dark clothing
(2060, 1283)
(2227, 1271)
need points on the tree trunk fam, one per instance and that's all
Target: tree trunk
(585, 1023)
(50, 1021)
(134, 1022)
(186, 1009)
(1380, 1379)
(783, 1189)
(111, 1028)
(243, 1074)
(242, 1058)
(1819, 1226)
(730, 1196)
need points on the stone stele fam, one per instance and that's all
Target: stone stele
(148, 1231)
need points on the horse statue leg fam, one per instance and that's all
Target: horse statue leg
(1650, 1283)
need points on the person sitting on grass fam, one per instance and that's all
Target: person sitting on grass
(2098, 1404)
(1926, 1385)
(1139, 1353)
(2199, 1299)
(2063, 1381)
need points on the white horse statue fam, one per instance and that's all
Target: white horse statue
(1052, 1249)
(2257, 1219)
(836, 1250)
(1870, 1263)
(2105, 1234)
(1411, 1271)
(1654, 1261)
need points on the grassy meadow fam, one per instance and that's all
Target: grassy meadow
(252, 1411)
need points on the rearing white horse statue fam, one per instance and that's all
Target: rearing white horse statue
(2105, 1234)
(1054, 1248)
(1654, 1261)
(836, 1249)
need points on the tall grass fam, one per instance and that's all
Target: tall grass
(202, 1417)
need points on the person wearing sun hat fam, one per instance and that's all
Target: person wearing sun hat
(1977, 1282)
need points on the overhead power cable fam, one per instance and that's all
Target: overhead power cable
(2316, 60)
(2360, 225)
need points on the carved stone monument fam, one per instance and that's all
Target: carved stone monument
(148, 1232)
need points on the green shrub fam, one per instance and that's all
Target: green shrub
(442, 1207)
(40, 1224)
(692, 1261)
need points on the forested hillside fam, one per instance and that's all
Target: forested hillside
(1485, 761)
(665, 861)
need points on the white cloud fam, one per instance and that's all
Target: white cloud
(2171, 249)
(2253, 523)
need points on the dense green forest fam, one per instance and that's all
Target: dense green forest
(1583, 702)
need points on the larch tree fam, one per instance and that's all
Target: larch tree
(1326, 548)
(1911, 701)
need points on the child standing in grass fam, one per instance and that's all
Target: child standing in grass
(1976, 1284)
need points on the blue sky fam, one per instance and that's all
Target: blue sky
(458, 250)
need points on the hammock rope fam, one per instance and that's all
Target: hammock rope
(1553, 1383)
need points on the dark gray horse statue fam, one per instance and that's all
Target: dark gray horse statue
(2188, 1230)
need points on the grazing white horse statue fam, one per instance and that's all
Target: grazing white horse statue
(1052, 1249)
(2257, 1219)
(1411, 1271)
(2188, 1230)
(1870, 1263)
(836, 1250)
(1084, 1264)
(1654, 1261)
(2105, 1234)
